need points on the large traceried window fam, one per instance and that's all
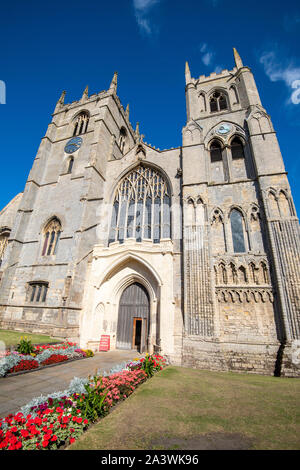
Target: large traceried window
(4, 236)
(51, 237)
(141, 208)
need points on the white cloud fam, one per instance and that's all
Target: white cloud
(207, 56)
(144, 4)
(218, 69)
(141, 10)
(288, 73)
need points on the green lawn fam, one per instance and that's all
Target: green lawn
(181, 408)
(11, 338)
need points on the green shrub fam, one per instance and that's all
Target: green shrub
(25, 346)
(88, 352)
(91, 403)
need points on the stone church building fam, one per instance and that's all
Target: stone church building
(192, 252)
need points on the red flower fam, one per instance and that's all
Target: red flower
(45, 443)
(72, 440)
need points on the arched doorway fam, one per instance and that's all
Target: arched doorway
(133, 318)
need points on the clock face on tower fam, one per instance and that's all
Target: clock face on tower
(73, 145)
(224, 129)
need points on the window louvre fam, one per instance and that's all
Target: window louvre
(81, 124)
(215, 152)
(237, 149)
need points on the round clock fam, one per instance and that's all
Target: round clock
(224, 129)
(73, 145)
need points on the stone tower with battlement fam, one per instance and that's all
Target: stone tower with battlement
(192, 252)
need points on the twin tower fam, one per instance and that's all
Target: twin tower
(192, 252)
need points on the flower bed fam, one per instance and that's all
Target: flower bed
(59, 419)
(25, 365)
(40, 356)
(54, 359)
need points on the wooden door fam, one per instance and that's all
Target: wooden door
(134, 309)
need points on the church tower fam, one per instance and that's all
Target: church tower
(56, 219)
(241, 233)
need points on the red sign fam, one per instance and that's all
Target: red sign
(104, 343)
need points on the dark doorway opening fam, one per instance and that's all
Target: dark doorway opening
(137, 333)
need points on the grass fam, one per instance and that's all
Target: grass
(179, 404)
(12, 338)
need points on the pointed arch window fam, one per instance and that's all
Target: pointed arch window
(4, 236)
(237, 148)
(237, 231)
(215, 151)
(218, 102)
(81, 123)
(142, 207)
(70, 165)
(122, 139)
(51, 237)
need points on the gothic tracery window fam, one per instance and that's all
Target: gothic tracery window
(51, 237)
(4, 236)
(81, 123)
(141, 207)
(218, 102)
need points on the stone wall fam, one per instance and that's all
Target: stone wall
(259, 358)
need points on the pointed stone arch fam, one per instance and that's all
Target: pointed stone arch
(125, 259)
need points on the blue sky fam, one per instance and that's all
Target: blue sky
(47, 47)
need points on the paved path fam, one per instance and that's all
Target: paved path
(18, 390)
